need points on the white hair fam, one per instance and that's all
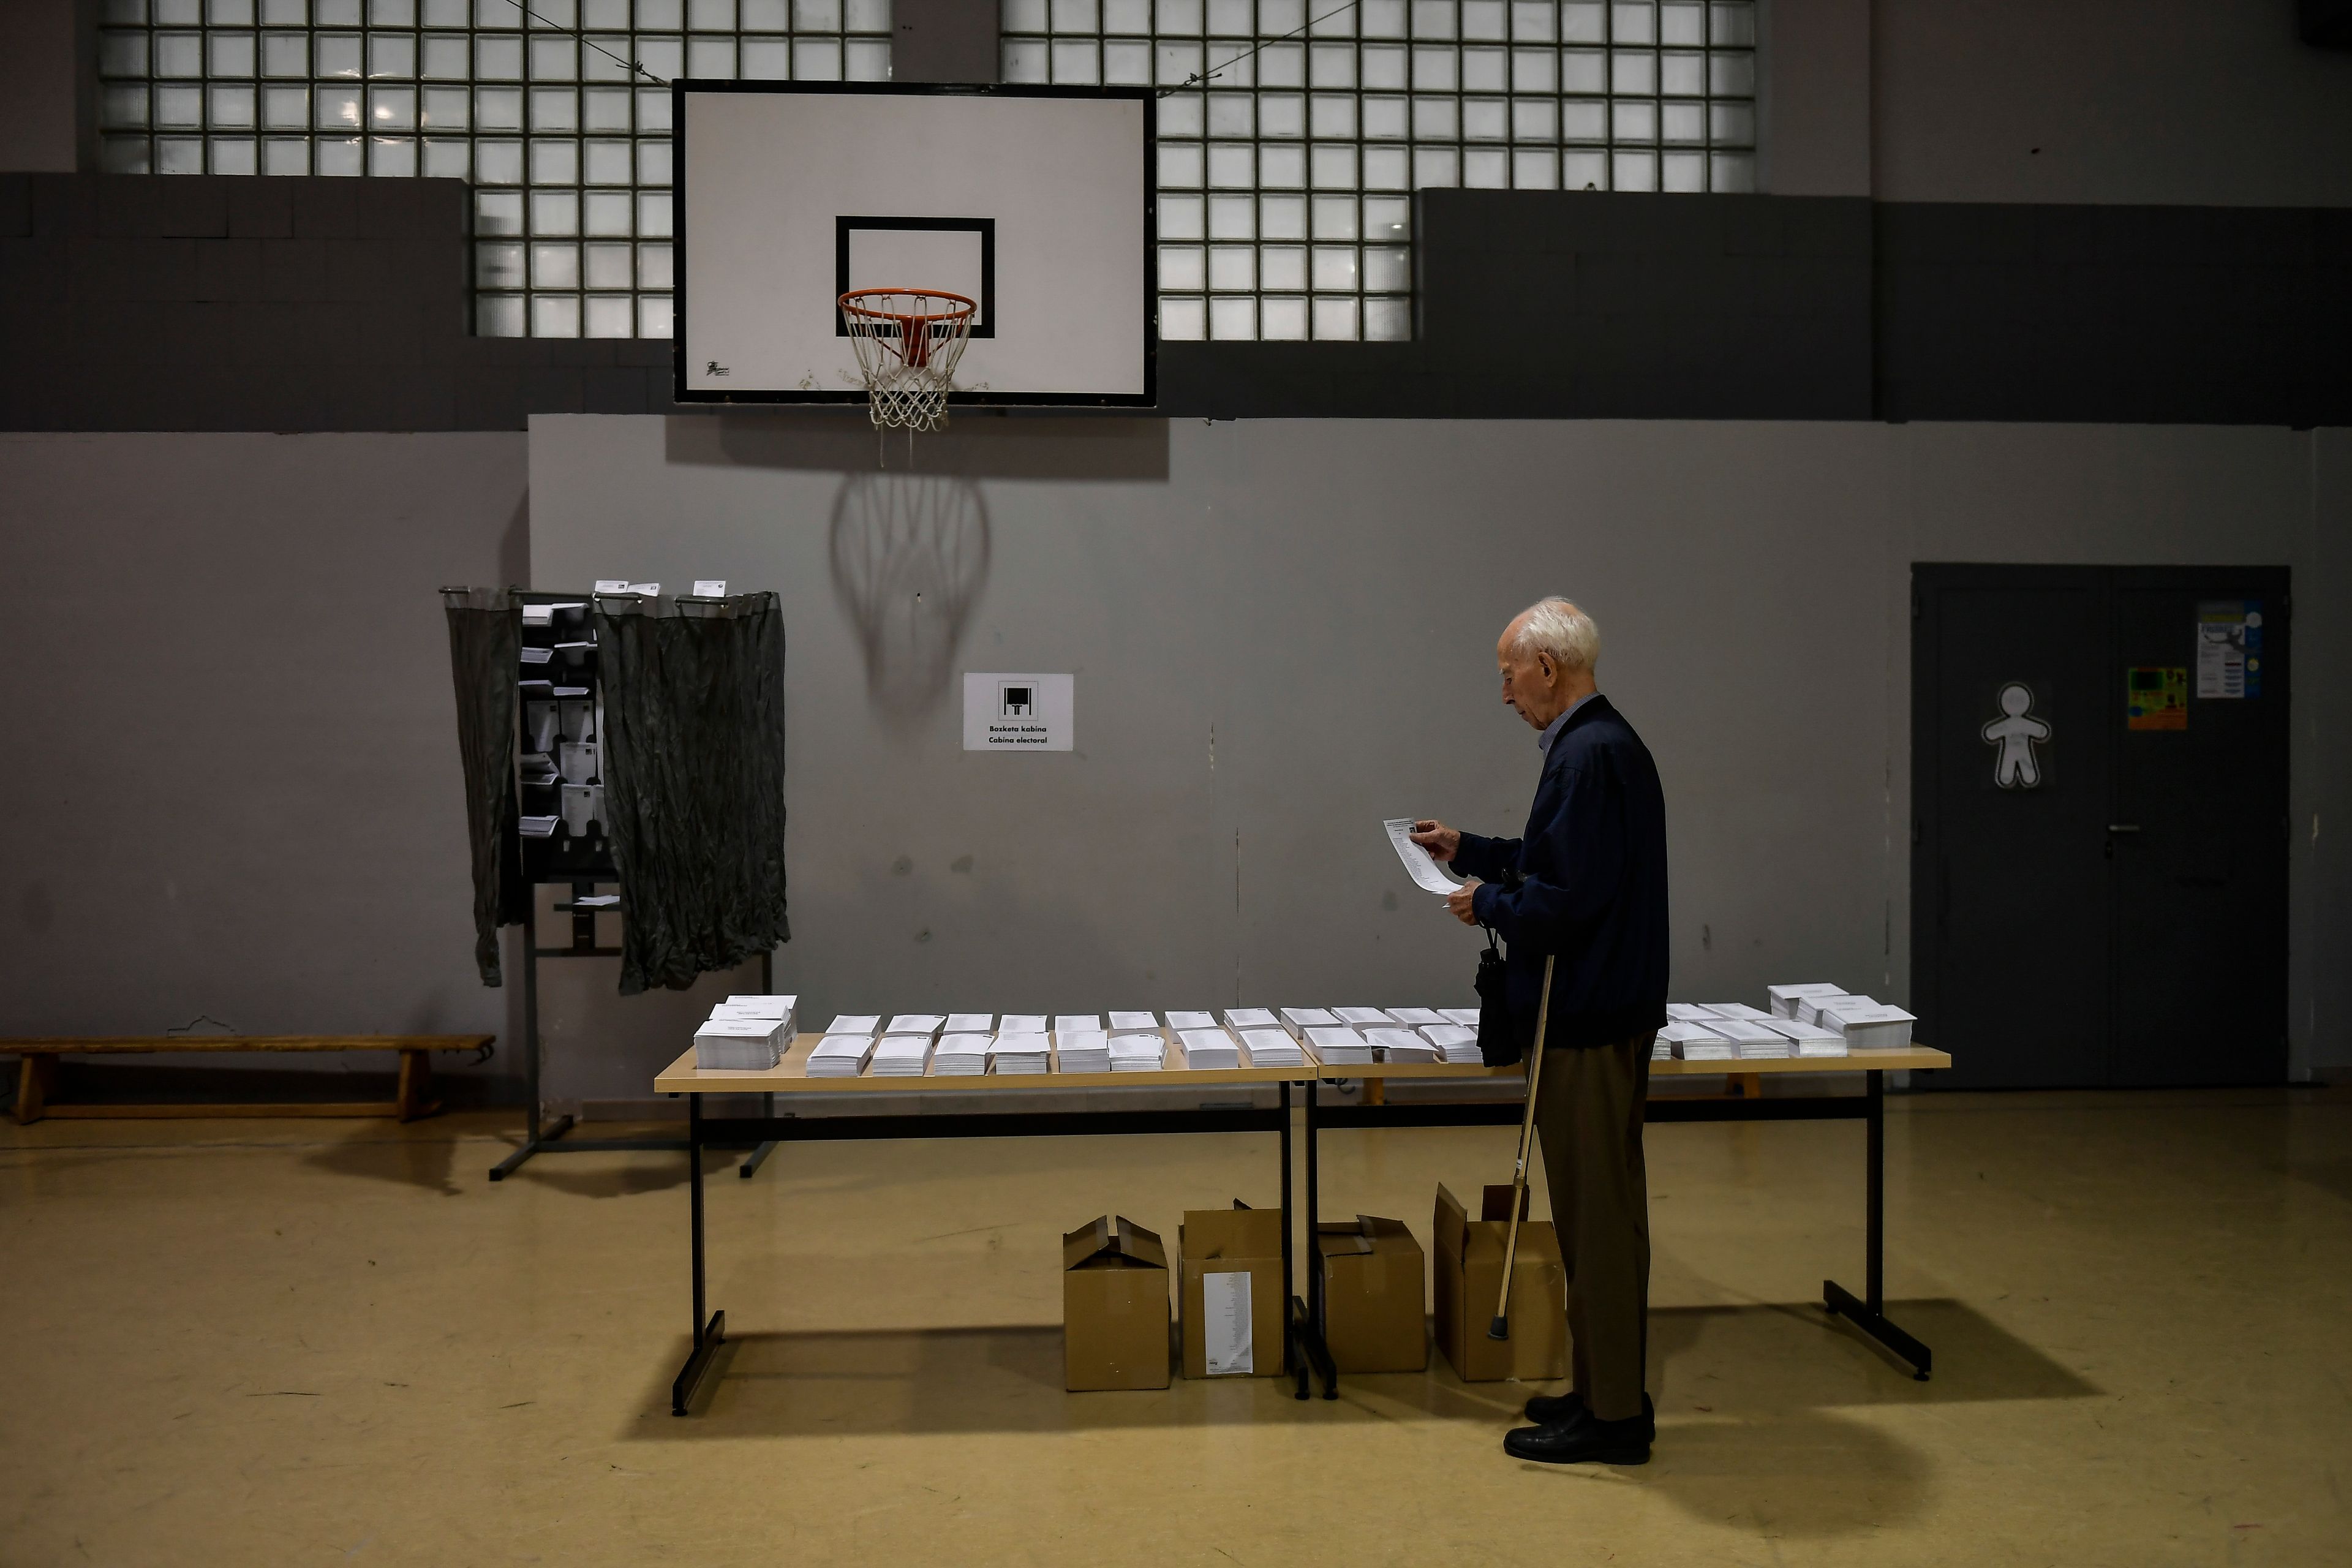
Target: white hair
(1557, 628)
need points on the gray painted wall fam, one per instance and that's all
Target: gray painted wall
(233, 787)
(1282, 632)
(2158, 101)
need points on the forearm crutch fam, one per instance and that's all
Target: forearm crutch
(1500, 1329)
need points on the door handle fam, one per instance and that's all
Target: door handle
(2123, 827)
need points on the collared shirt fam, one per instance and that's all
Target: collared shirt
(1552, 730)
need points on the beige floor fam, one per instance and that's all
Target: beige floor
(280, 1342)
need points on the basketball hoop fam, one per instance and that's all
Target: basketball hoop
(908, 342)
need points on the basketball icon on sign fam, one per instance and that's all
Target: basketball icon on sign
(1015, 702)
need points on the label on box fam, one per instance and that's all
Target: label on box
(1225, 1324)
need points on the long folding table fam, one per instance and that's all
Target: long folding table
(1303, 1345)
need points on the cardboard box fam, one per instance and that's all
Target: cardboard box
(1373, 1294)
(1233, 1309)
(1113, 1307)
(1470, 1274)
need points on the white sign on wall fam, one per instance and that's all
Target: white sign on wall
(1018, 712)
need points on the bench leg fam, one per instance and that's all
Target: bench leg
(37, 1080)
(414, 1097)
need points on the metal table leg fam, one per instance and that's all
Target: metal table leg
(1310, 1313)
(759, 1156)
(1869, 1314)
(708, 1334)
(1294, 1316)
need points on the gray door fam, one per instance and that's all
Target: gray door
(2099, 850)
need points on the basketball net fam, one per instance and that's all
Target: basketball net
(908, 343)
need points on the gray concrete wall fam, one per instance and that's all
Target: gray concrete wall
(1282, 632)
(2188, 103)
(232, 790)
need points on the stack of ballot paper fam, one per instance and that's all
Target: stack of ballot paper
(1078, 1024)
(1083, 1050)
(1137, 1052)
(1022, 1024)
(1020, 1054)
(924, 1023)
(1338, 1046)
(1786, 997)
(866, 1023)
(1122, 1022)
(1694, 1042)
(1661, 1050)
(760, 1006)
(1416, 1018)
(1736, 1010)
(1271, 1048)
(1808, 1039)
(1454, 1043)
(1299, 1020)
(537, 826)
(900, 1056)
(1461, 1018)
(734, 1043)
(840, 1055)
(960, 1055)
(1757, 1042)
(1239, 1018)
(1688, 1012)
(1179, 1022)
(1362, 1017)
(1396, 1044)
(969, 1023)
(1867, 1026)
(1208, 1050)
(1809, 1008)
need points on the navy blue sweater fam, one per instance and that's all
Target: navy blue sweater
(1594, 887)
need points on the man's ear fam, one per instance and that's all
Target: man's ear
(1550, 671)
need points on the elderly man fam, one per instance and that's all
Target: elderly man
(1587, 885)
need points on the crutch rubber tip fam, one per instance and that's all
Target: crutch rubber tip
(1500, 1329)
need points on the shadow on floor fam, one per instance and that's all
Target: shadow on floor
(1746, 1368)
(371, 1154)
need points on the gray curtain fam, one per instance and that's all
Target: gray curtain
(694, 781)
(485, 643)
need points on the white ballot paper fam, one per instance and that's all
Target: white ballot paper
(1225, 1324)
(1417, 863)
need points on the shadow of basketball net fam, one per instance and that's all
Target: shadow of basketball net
(909, 557)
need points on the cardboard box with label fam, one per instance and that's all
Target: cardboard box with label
(1113, 1307)
(1470, 1275)
(1372, 1294)
(1233, 1311)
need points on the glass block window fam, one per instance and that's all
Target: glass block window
(568, 148)
(1293, 133)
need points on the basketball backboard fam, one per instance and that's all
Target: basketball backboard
(1034, 202)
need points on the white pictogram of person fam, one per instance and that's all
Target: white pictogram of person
(2016, 733)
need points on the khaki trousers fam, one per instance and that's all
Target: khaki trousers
(1589, 1119)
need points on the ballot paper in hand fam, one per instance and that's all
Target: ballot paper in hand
(1417, 863)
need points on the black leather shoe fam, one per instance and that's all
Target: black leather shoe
(1581, 1441)
(1551, 1409)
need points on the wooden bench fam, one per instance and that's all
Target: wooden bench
(36, 1080)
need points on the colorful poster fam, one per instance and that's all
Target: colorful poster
(2230, 649)
(2155, 696)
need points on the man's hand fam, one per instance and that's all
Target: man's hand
(1462, 901)
(1440, 840)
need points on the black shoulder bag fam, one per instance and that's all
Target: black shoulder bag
(1498, 1034)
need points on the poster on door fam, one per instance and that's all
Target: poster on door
(2155, 696)
(2228, 649)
